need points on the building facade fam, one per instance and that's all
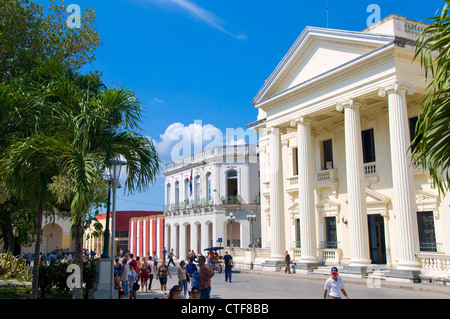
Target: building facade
(122, 234)
(211, 197)
(335, 122)
(146, 234)
(56, 234)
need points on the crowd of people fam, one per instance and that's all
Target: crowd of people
(132, 274)
(57, 255)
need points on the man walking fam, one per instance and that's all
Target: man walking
(171, 255)
(287, 260)
(334, 285)
(229, 263)
(205, 278)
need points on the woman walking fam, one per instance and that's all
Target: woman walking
(131, 281)
(144, 275)
(124, 276)
(183, 277)
(162, 273)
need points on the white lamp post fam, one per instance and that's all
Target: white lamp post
(231, 219)
(251, 218)
(114, 171)
(104, 285)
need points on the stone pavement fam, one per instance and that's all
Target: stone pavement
(401, 288)
(14, 282)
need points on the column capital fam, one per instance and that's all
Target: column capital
(269, 129)
(396, 87)
(302, 119)
(351, 103)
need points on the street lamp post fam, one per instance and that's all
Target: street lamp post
(107, 234)
(251, 218)
(231, 219)
(114, 169)
(104, 285)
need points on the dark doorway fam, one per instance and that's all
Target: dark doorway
(377, 241)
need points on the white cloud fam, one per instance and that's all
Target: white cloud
(156, 100)
(201, 14)
(179, 141)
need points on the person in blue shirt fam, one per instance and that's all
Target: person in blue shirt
(228, 261)
(191, 268)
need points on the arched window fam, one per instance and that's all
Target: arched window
(232, 189)
(197, 187)
(208, 186)
(168, 194)
(186, 190)
(177, 193)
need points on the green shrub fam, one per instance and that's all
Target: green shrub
(14, 266)
(54, 278)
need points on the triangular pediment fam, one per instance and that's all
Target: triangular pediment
(374, 198)
(317, 52)
(294, 206)
(426, 201)
(327, 205)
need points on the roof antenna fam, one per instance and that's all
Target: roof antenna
(327, 14)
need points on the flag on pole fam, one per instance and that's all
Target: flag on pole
(190, 184)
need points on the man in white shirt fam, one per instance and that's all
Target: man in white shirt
(150, 272)
(334, 285)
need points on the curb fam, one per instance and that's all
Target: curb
(354, 281)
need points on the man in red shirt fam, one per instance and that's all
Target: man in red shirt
(205, 278)
(133, 262)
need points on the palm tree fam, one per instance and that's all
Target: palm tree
(92, 124)
(432, 142)
(24, 174)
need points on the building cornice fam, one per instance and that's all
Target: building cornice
(361, 64)
(305, 42)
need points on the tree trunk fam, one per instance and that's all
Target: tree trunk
(9, 241)
(35, 281)
(78, 258)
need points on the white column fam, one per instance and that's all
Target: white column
(357, 221)
(215, 180)
(276, 196)
(168, 237)
(402, 175)
(194, 237)
(306, 169)
(182, 244)
(387, 236)
(204, 237)
(132, 236)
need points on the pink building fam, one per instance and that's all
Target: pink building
(146, 234)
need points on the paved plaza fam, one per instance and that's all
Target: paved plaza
(249, 284)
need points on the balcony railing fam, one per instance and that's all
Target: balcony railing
(327, 176)
(226, 153)
(370, 168)
(228, 200)
(231, 200)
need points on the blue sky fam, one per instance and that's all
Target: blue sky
(205, 60)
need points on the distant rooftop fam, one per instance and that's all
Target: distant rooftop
(217, 154)
(396, 25)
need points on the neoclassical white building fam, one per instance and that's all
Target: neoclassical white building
(335, 122)
(204, 192)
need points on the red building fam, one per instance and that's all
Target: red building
(146, 234)
(126, 238)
